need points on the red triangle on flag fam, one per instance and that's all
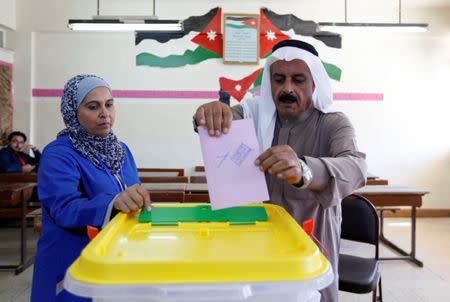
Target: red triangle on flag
(211, 36)
(238, 89)
(269, 35)
(252, 22)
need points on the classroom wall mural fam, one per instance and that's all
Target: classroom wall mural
(6, 109)
(194, 64)
(207, 43)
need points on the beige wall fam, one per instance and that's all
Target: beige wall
(8, 13)
(404, 136)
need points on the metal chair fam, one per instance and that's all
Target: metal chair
(360, 223)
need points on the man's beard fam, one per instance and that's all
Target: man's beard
(287, 98)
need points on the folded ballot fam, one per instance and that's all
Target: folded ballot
(232, 176)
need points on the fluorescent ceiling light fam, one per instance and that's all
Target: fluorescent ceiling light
(126, 25)
(346, 27)
(378, 27)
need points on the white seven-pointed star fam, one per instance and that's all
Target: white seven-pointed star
(211, 35)
(270, 35)
(238, 87)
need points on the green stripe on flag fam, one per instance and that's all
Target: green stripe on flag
(239, 26)
(333, 71)
(189, 57)
(258, 79)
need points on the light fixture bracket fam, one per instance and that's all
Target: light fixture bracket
(126, 24)
(405, 27)
(380, 27)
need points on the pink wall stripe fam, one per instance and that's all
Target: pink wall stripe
(6, 63)
(352, 96)
(186, 94)
(47, 92)
(164, 94)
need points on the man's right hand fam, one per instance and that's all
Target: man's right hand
(216, 116)
(132, 199)
(28, 168)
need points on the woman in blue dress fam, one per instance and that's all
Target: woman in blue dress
(86, 176)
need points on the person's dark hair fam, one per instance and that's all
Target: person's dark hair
(17, 133)
(296, 43)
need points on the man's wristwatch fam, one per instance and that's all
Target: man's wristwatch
(194, 123)
(306, 174)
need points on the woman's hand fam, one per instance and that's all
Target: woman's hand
(132, 199)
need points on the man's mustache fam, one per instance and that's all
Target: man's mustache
(287, 98)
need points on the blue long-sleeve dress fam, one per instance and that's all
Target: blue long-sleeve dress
(74, 193)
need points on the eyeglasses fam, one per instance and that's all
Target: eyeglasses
(20, 142)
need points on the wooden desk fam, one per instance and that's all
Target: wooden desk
(196, 188)
(179, 171)
(167, 196)
(196, 192)
(388, 196)
(200, 177)
(13, 195)
(164, 179)
(36, 215)
(199, 168)
(377, 182)
(165, 186)
(18, 177)
(197, 173)
(197, 179)
(157, 174)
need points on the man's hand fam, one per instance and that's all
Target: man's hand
(28, 168)
(216, 116)
(132, 199)
(29, 147)
(282, 161)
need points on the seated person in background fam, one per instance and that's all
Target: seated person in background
(14, 158)
(86, 175)
(309, 153)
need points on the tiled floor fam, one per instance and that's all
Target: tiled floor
(402, 281)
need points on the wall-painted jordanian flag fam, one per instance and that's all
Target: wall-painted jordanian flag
(242, 22)
(206, 43)
(202, 40)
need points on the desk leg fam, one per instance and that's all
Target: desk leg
(381, 224)
(24, 263)
(407, 256)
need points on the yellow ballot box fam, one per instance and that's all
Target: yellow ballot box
(187, 252)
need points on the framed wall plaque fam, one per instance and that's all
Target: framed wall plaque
(241, 39)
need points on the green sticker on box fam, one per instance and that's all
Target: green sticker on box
(203, 213)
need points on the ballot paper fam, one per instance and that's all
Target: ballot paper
(232, 176)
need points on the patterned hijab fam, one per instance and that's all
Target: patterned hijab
(103, 152)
